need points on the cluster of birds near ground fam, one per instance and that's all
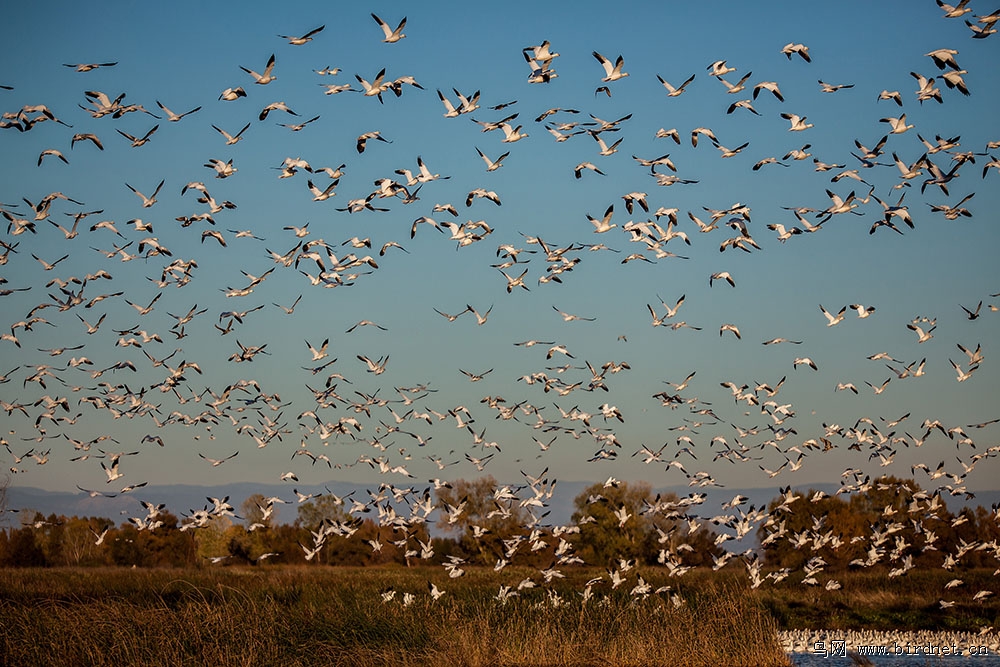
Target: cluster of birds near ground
(159, 391)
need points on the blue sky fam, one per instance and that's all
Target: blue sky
(187, 56)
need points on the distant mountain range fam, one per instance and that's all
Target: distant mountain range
(181, 499)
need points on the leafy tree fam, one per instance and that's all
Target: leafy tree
(78, 546)
(482, 516)
(625, 520)
(252, 511)
(889, 520)
(284, 539)
(4, 483)
(50, 537)
(124, 547)
(168, 546)
(315, 511)
(23, 550)
(318, 512)
(211, 540)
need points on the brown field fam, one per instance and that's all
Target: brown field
(333, 616)
(283, 615)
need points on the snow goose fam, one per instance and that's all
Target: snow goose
(391, 36)
(146, 201)
(266, 77)
(613, 72)
(792, 48)
(492, 165)
(798, 122)
(604, 224)
(299, 41)
(674, 92)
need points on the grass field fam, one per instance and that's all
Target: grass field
(868, 600)
(340, 616)
(337, 616)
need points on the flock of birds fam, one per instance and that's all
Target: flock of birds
(49, 388)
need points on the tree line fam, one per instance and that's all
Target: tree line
(489, 524)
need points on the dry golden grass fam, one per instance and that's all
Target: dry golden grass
(336, 616)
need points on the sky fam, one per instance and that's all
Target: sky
(186, 57)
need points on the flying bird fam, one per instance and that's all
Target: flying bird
(391, 35)
(308, 37)
(612, 71)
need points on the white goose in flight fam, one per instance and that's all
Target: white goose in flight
(674, 92)
(792, 48)
(798, 122)
(613, 72)
(466, 104)
(832, 320)
(232, 94)
(722, 275)
(898, 124)
(266, 77)
(146, 201)
(492, 165)
(299, 41)
(88, 67)
(605, 149)
(54, 152)
(567, 317)
(804, 361)
(719, 68)
(376, 87)
(922, 336)
(174, 117)
(139, 141)
(218, 462)
(768, 85)
(232, 139)
(604, 224)
(391, 36)
(275, 106)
